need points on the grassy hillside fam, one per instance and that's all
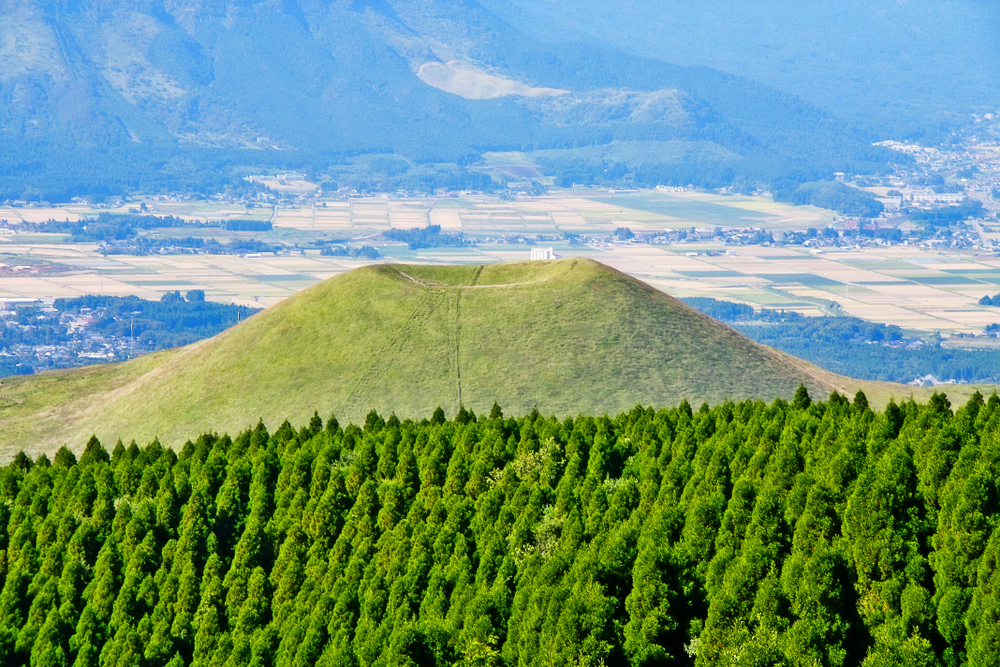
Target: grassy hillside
(566, 336)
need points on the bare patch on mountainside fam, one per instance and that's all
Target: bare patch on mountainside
(564, 107)
(473, 83)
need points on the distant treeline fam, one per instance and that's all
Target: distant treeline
(243, 225)
(36, 172)
(746, 174)
(751, 533)
(146, 245)
(825, 328)
(423, 237)
(172, 321)
(769, 136)
(853, 347)
(120, 234)
(828, 194)
(947, 215)
(361, 252)
(109, 227)
(389, 174)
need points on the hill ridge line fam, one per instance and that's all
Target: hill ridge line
(573, 336)
(428, 285)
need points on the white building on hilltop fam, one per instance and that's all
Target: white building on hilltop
(542, 254)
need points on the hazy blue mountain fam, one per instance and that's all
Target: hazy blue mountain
(904, 67)
(302, 81)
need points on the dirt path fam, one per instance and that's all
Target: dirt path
(472, 286)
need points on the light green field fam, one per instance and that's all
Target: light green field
(633, 152)
(685, 210)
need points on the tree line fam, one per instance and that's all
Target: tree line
(171, 321)
(947, 215)
(805, 533)
(828, 194)
(854, 347)
(423, 237)
(121, 233)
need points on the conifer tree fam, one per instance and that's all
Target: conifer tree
(822, 533)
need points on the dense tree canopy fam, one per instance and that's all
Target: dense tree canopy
(817, 533)
(828, 194)
(855, 347)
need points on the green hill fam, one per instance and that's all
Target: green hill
(567, 336)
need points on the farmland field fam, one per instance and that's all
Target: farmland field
(909, 286)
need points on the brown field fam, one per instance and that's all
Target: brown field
(19, 214)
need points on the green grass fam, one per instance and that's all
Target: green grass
(704, 213)
(806, 279)
(990, 277)
(567, 336)
(722, 273)
(881, 264)
(974, 273)
(52, 403)
(942, 280)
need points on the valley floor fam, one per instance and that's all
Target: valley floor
(912, 286)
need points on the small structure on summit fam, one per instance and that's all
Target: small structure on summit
(542, 254)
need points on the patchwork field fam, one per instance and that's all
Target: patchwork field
(909, 286)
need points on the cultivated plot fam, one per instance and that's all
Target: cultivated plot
(909, 286)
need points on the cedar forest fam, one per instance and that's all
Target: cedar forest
(802, 533)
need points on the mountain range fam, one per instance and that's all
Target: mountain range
(783, 91)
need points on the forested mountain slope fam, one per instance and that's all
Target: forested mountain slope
(751, 533)
(566, 336)
(156, 83)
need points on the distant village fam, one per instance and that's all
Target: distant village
(48, 333)
(38, 337)
(926, 179)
